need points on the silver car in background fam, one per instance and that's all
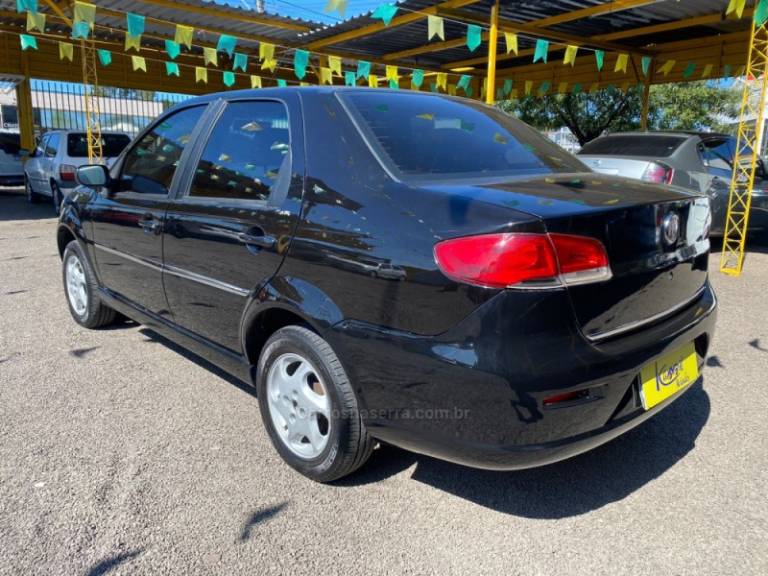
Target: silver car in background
(50, 169)
(11, 169)
(698, 161)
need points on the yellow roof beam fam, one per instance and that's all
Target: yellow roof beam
(379, 26)
(606, 8)
(240, 16)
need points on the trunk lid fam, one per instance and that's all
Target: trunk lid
(655, 270)
(614, 166)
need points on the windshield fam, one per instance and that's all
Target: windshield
(639, 145)
(437, 137)
(111, 145)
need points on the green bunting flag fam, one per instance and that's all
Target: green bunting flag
(385, 13)
(646, 64)
(599, 59)
(363, 69)
(689, 70)
(463, 83)
(761, 12)
(576, 88)
(172, 69)
(349, 77)
(474, 36)
(394, 84)
(105, 57)
(300, 61)
(417, 78)
(80, 30)
(172, 48)
(541, 51)
(226, 44)
(228, 78)
(26, 6)
(134, 24)
(240, 62)
(281, 83)
(28, 42)
(544, 87)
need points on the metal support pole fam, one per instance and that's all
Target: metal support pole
(647, 96)
(493, 40)
(24, 105)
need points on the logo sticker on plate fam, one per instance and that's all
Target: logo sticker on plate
(667, 375)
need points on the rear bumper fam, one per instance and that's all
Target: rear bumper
(11, 179)
(468, 398)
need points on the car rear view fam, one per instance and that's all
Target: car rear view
(11, 169)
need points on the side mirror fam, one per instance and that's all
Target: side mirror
(93, 175)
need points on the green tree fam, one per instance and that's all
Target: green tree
(688, 106)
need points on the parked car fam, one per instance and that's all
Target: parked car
(546, 309)
(11, 170)
(50, 169)
(698, 161)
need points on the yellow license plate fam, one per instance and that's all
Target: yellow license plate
(668, 375)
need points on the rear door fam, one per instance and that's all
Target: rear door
(227, 233)
(35, 164)
(48, 161)
(128, 222)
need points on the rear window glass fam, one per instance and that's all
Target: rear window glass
(656, 146)
(111, 145)
(10, 143)
(436, 137)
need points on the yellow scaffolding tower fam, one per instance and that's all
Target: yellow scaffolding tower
(747, 150)
(91, 99)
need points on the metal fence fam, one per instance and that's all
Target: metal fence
(60, 106)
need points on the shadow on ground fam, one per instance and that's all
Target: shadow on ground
(569, 488)
(14, 206)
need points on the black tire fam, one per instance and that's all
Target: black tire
(349, 444)
(57, 198)
(32, 196)
(96, 314)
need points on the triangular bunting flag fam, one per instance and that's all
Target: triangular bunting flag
(435, 27)
(736, 6)
(35, 21)
(349, 78)
(105, 57)
(689, 70)
(228, 78)
(210, 56)
(373, 81)
(463, 82)
(172, 69)
(570, 55)
(325, 76)
(173, 49)
(66, 51)
(226, 44)
(281, 83)
(391, 73)
(528, 87)
(28, 42)
(599, 59)
(646, 64)
(132, 42)
(667, 68)
(541, 51)
(621, 62)
(255, 81)
(266, 51)
(442, 80)
(81, 30)
(84, 12)
(510, 39)
(707, 71)
(363, 69)
(183, 35)
(138, 63)
(339, 6)
(474, 36)
(201, 75)
(334, 63)
(240, 62)
(134, 24)
(417, 78)
(300, 61)
(385, 13)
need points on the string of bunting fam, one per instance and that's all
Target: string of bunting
(84, 22)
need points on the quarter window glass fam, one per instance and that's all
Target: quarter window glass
(52, 145)
(717, 153)
(150, 165)
(247, 155)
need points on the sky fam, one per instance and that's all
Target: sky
(310, 9)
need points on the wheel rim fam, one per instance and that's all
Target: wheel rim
(299, 405)
(77, 291)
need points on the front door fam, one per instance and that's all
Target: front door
(229, 228)
(128, 222)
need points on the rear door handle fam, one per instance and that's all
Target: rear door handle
(150, 224)
(259, 240)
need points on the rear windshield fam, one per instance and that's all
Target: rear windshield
(111, 145)
(10, 143)
(640, 145)
(437, 137)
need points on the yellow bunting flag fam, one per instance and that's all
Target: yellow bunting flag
(594, 88)
(452, 90)
(435, 27)
(66, 51)
(270, 65)
(562, 88)
(736, 6)
(621, 63)
(201, 75)
(392, 73)
(84, 12)
(570, 55)
(35, 21)
(266, 51)
(707, 71)
(138, 63)
(325, 76)
(210, 56)
(373, 81)
(667, 68)
(510, 39)
(442, 80)
(255, 81)
(334, 65)
(183, 35)
(132, 42)
(338, 5)
(528, 87)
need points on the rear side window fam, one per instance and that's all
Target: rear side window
(111, 145)
(653, 146)
(717, 153)
(247, 155)
(10, 143)
(150, 165)
(52, 145)
(436, 137)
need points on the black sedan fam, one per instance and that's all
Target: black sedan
(399, 267)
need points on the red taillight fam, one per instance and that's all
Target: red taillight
(658, 173)
(502, 260)
(67, 173)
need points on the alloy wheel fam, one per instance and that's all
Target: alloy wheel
(77, 289)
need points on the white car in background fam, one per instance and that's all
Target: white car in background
(11, 168)
(51, 168)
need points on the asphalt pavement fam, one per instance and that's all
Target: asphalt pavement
(121, 453)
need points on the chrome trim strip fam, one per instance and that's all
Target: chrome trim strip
(640, 323)
(180, 273)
